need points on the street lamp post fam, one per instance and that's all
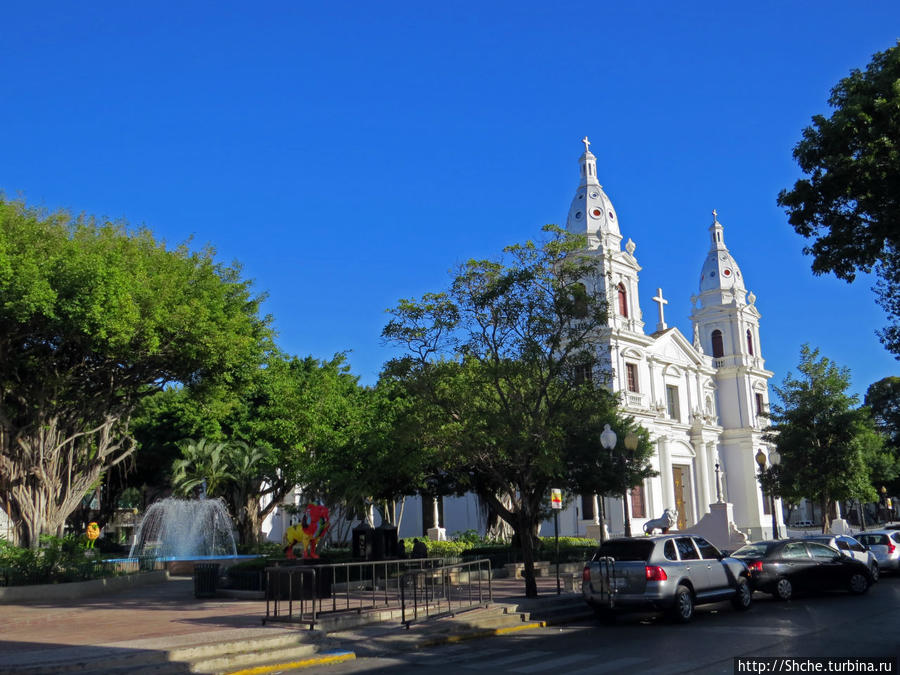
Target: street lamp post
(608, 440)
(775, 458)
(631, 443)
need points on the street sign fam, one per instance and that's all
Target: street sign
(555, 498)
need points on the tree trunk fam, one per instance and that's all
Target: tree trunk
(525, 534)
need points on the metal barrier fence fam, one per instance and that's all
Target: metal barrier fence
(445, 590)
(338, 587)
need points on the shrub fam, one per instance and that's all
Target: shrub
(59, 559)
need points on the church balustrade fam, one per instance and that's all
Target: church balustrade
(633, 400)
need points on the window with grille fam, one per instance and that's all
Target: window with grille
(631, 372)
(638, 510)
(672, 402)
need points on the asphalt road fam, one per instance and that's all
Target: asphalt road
(832, 625)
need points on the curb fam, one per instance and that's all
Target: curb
(475, 635)
(319, 660)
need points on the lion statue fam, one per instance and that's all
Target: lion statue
(663, 523)
(307, 532)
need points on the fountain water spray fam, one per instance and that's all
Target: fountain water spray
(185, 529)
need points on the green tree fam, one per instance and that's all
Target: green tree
(849, 205)
(504, 365)
(93, 319)
(883, 400)
(278, 426)
(828, 444)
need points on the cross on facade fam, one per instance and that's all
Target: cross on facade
(659, 300)
(587, 143)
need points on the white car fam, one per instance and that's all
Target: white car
(885, 544)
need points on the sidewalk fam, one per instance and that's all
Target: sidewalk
(166, 615)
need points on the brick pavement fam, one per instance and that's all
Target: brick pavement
(164, 610)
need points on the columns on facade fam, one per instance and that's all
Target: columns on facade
(702, 471)
(665, 474)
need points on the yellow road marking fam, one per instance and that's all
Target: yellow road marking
(484, 633)
(305, 663)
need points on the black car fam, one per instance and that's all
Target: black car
(786, 566)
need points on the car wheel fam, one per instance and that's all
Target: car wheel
(859, 583)
(743, 597)
(784, 589)
(876, 573)
(683, 609)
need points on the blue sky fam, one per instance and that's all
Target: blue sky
(350, 154)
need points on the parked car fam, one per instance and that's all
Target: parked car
(885, 544)
(787, 566)
(668, 572)
(851, 548)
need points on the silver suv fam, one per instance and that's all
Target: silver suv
(670, 572)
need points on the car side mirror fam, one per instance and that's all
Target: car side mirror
(724, 554)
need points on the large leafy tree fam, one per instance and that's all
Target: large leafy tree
(257, 441)
(849, 205)
(505, 365)
(93, 319)
(829, 446)
(883, 400)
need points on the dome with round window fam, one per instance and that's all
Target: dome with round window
(591, 213)
(720, 271)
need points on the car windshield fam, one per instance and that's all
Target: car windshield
(751, 551)
(638, 550)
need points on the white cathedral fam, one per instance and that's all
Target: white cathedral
(700, 398)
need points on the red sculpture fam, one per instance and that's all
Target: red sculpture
(308, 531)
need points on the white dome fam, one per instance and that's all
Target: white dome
(720, 271)
(591, 212)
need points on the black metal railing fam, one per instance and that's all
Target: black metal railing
(445, 590)
(301, 592)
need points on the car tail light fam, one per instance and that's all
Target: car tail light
(891, 547)
(755, 566)
(655, 573)
(586, 575)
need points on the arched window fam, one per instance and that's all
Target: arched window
(718, 349)
(749, 343)
(623, 300)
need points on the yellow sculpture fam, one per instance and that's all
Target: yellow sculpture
(92, 533)
(308, 531)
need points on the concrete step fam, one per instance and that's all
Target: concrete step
(254, 657)
(206, 655)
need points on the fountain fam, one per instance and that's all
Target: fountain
(185, 529)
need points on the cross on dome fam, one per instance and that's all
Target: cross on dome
(659, 300)
(715, 216)
(587, 144)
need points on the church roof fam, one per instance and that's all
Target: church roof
(720, 271)
(591, 212)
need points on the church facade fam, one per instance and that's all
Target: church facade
(701, 398)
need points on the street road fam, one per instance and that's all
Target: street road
(836, 625)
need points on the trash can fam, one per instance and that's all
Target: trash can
(363, 536)
(385, 544)
(205, 577)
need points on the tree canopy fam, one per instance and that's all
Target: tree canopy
(95, 317)
(849, 205)
(506, 365)
(829, 446)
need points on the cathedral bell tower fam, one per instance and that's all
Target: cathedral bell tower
(726, 327)
(592, 215)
